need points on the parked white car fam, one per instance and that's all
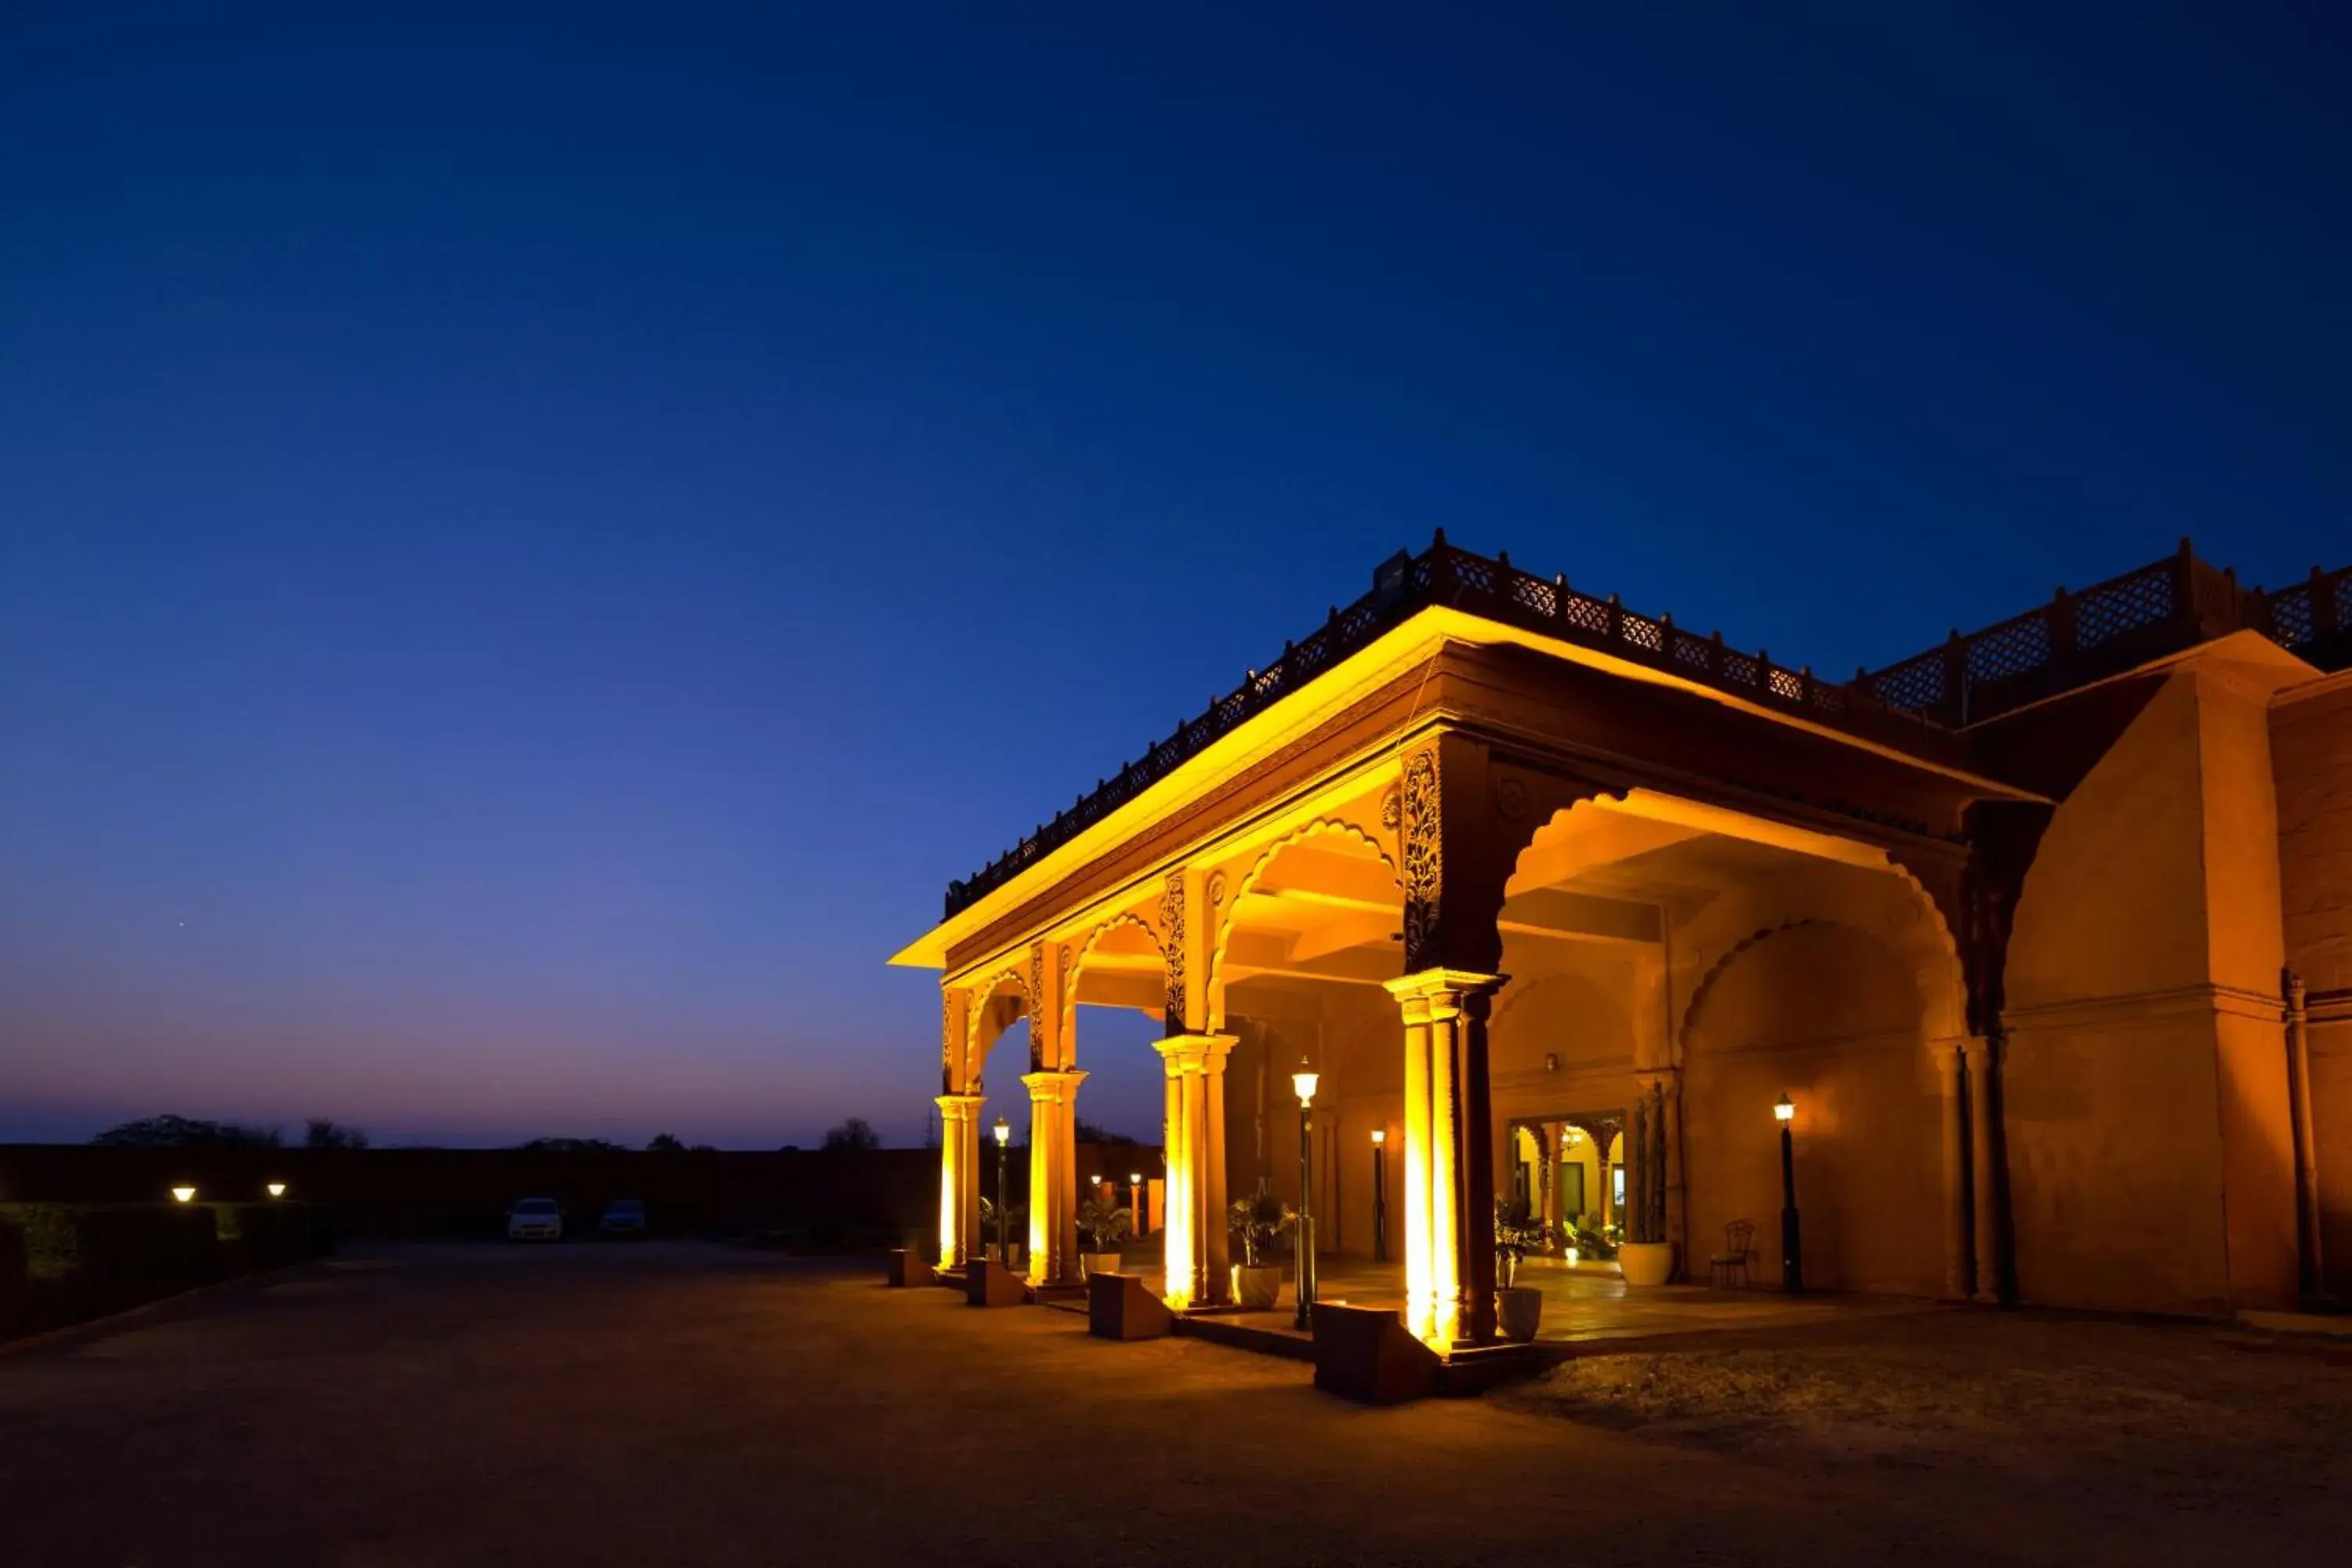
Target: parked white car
(535, 1219)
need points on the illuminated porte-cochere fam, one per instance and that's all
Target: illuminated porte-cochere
(2038, 941)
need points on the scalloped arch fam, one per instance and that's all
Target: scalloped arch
(976, 1013)
(1078, 962)
(1929, 1002)
(1537, 831)
(1320, 826)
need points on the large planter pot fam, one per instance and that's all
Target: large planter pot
(1100, 1263)
(1645, 1262)
(1255, 1289)
(1518, 1311)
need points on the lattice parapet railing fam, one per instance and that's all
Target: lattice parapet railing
(2310, 615)
(2077, 637)
(1494, 589)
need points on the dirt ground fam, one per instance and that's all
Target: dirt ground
(686, 1404)
(2056, 1406)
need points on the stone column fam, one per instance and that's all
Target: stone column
(1053, 1177)
(1670, 1087)
(958, 1178)
(1195, 1245)
(1449, 1199)
(1950, 1059)
(2308, 1220)
(1984, 1068)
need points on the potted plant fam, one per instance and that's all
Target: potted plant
(1103, 1225)
(1646, 1257)
(1590, 1241)
(1518, 1232)
(1260, 1220)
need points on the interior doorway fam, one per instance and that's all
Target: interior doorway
(1569, 1169)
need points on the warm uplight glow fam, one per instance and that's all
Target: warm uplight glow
(1003, 1132)
(1304, 1081)
(276, 1189)
(185, 1195)
(1380, 1135)
(1786, 1110)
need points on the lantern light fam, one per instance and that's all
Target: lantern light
(184, 1194)
(1135, 1178)
(1380, 1135)
(1003, 1132)
(1786, 1110)
(1304, 1081)
(276, 1189)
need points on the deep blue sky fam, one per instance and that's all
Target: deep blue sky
(529, 554)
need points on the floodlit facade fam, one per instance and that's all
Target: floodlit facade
(2045, 934)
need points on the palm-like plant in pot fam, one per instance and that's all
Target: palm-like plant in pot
(1260, 1221)
(1518, 1232)
(1103, 1224)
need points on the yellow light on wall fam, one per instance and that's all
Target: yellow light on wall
(184, 1194)
(1786, 1110)
(1304, 1081)
(276, 1189)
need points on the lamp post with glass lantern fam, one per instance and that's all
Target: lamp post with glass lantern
(1303, 1081)
(1003, 1139)
(1137, 1217)
(1379, 1195)
(1792, 1249)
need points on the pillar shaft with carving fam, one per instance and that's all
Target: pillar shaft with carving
(1194, 1239)
(1053, 1176)
(1951, 1060)
(958, 1178)
(1449, 1175)
(1984, 1163)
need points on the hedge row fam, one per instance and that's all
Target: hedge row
(64, 1263)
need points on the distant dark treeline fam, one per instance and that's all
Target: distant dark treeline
(822, 1198)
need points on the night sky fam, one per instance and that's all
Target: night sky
(530, 555)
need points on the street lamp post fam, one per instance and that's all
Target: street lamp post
(1303, 1081)
(1379, 1195)
(1138, 1218)
(1003, 1139)
(1792, 1247)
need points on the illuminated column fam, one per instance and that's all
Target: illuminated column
(1053, 1176)
(1193, 1236)
(1175, 1219)
(1984, 1064)
(1950, 1057)
(958, 1178)
(1216, 1253)
(1449, 1229)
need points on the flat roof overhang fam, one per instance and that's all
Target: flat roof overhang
(1412, 642)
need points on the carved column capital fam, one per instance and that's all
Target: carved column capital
(1055, 1086)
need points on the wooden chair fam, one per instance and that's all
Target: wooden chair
(1737, 1238)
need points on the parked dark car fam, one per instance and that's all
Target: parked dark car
(624, 1217)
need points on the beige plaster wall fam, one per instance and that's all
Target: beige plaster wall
(2144, 1089)
(2311, 751)
(1829, 1015)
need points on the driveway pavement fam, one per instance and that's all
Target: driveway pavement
(686, 1404)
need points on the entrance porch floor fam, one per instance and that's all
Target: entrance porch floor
(1589, 1304)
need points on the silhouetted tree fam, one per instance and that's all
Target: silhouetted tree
(188, 1132)
(855, 1134)
(321, 1133)
(1087, 1132)
(665, 1143)
(571, 1146)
